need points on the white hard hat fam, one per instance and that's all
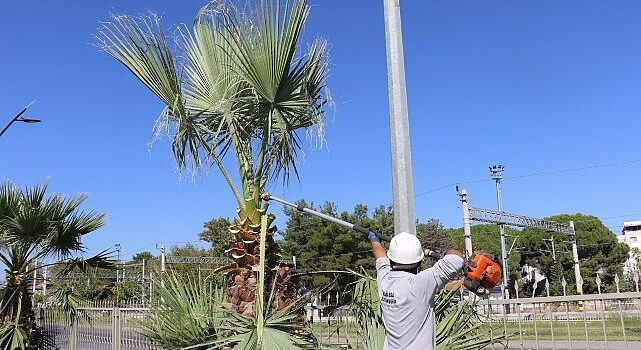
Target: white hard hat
(405, 249)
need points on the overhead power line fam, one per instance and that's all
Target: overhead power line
(542, 173)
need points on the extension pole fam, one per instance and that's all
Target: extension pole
(357, 228)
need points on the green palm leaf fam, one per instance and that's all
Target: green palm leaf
(245, 86)
(36, 226)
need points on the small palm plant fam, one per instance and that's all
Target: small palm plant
(190, 315)
(37, 227)
(246, 89)
(187, 311)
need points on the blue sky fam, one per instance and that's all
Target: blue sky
(539, 86)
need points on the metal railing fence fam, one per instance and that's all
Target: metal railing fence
(609, 321)
(596, 321)
(603, 321)
(98, 328)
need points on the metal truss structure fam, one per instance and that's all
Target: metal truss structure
(501, 217)
(213, 260)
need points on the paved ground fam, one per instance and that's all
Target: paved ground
(575, 345)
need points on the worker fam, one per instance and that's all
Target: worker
(407, 295)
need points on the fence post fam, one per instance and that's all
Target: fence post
(116, 328)
(73, 335)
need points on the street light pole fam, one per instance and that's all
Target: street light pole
(497, 174)
(402, 183)
(19, 118)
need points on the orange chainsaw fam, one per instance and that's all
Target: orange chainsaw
(483, 272)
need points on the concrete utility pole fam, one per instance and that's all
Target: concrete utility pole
(162, 264)
(551, 239)
(575, 258)
(404, 215)
(162, 259)
(467, 229)
(497, 174)
(44, 285)
(35, 276)
(151, 279)
(118, 257)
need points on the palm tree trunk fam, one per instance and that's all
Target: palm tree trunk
(245, 249)
(17, 306)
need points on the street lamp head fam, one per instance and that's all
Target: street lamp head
(19, 118)
(28, 120)
(496, 171)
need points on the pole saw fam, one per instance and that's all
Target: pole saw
(482, 272)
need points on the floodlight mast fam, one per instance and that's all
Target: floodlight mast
(496, 171)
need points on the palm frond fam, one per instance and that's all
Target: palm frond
(187, 312)
(102, 260)
(263, 44)
(140, 45)
(68, 303)
(13, 336)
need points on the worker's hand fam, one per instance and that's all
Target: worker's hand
(373, 237)
(471, 263)
(432, 253)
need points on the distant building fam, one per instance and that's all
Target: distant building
(631, 235)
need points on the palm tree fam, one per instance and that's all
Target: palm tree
(36, 227)
(244, 89)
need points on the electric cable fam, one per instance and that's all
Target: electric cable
(542, 173)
